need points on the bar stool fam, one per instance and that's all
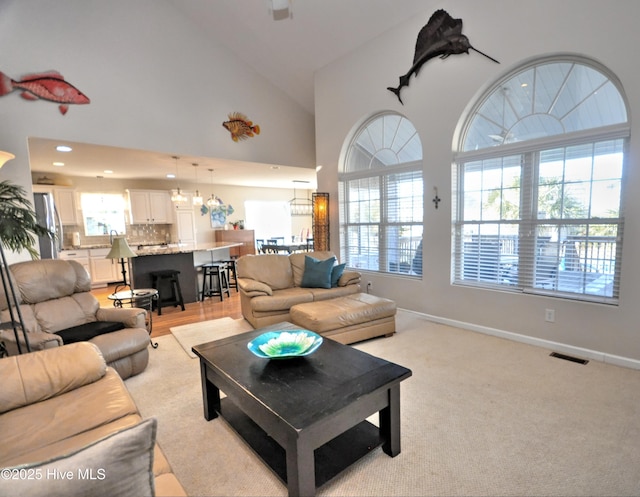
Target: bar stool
(217, 270)
(232, 278)
(168, 286)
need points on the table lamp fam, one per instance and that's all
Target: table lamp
(120, 250)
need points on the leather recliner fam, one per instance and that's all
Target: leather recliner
(55, 296)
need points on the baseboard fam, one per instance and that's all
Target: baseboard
(538, 342)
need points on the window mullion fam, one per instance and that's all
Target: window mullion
(383, 262)
(528, 214)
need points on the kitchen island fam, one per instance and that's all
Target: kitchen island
(183, 258)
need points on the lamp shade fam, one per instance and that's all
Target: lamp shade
(120, 249)
(5, 156)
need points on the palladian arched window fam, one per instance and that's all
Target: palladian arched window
(380, 197)
(538, 183)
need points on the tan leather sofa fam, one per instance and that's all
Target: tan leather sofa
(63, 411)
(56, 295)
(269, 285)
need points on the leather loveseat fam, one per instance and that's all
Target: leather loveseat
(270, 284)
(70, 427)
(57, 307)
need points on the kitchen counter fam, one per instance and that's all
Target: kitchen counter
(176, 248)
(171, 248)
(88, 247)
(184, 258)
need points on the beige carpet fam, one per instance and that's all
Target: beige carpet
(189, 335)
(480, 416)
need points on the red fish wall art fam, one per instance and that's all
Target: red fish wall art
(240, 127)
(48, 85)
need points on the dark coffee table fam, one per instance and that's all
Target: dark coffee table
(305, 417)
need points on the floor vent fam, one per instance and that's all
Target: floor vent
(569, 358)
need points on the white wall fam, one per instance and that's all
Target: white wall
(354, 88)
(156, 82)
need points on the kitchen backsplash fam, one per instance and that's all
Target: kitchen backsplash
(137, 234)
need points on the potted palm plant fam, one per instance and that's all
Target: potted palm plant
(19, 225)
(18, 228)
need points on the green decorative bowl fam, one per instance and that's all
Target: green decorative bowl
(285, 344)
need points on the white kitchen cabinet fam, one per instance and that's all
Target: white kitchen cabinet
(80, 256)
(65, 200)
(186, 224)
(149, 207)
(160, 207)
(66, 204)
(103, 270)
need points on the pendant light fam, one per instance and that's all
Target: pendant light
(213, 201)
(300, 206)
(197, 199)
(177, 197)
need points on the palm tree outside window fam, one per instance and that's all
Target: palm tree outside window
(538, 183)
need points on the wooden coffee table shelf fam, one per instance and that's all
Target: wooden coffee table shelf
(305, 417)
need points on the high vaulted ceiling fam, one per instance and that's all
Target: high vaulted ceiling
(287, 52)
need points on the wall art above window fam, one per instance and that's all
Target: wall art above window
(441, 36)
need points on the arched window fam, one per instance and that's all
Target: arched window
(380, 197)
(539, 171)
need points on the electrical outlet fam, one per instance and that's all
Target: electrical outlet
(550, 315)
(369, 286)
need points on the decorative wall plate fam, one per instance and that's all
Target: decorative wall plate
(285, 344)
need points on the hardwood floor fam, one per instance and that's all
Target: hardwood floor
(195, 312)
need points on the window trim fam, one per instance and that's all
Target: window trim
(530, 149)
(382, 175)
(485, 93)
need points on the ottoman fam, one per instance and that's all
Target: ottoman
(347, 319)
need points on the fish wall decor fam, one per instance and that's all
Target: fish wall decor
(240, 127)
(442, 35)
(48, 85)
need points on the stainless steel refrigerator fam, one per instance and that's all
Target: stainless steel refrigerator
(48, 216)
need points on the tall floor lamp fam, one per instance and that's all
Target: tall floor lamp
(10, 294)
(13, 306)
(320, 220)
(120, 250)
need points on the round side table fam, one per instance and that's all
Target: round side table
(140, 297)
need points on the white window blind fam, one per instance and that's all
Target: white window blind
(381, 198)
(544, 215)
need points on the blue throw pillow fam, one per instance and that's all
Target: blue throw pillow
(336, 272)
(317, 274)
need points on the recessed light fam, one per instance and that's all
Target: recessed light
(171, 175)
(107, 171)
(524, 85)
(58, 164)
(63, 148)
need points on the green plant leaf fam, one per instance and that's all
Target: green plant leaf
(18, 223)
